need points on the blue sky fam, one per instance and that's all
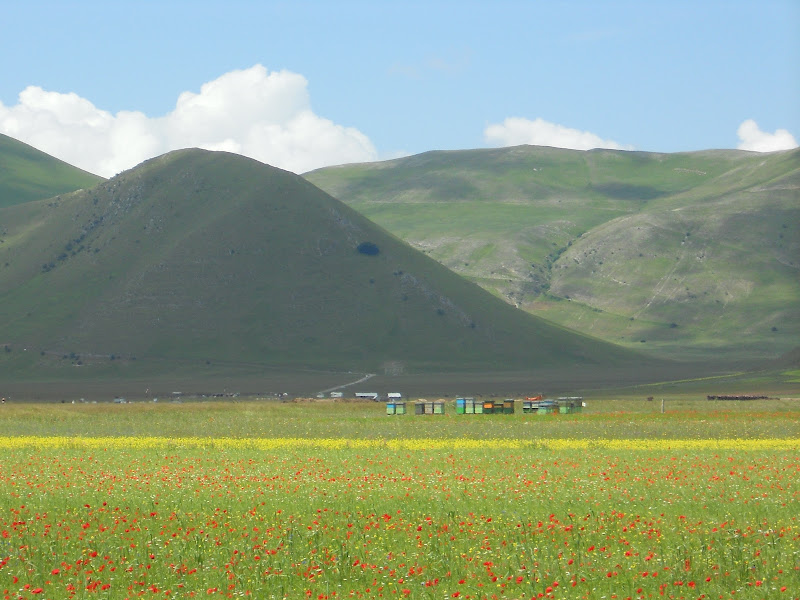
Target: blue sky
(305, 84)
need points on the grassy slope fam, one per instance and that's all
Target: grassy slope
(27, 174)
(608, 242)
(204, 261)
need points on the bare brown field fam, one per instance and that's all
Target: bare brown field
(684, 381)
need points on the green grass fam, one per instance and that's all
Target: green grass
(620, 415)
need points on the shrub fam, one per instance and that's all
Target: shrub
(368, 248)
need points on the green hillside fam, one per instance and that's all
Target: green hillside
(28, 174)
(202, 261)
(691, 255)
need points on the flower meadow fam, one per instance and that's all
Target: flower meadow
(336, 517)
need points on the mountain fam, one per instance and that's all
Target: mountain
(28, 174)
(689, 255)
(207, 260)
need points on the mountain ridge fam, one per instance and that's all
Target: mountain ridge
(29, 174)
(520, 221)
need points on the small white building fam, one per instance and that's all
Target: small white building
(368, 396)
(394, 396)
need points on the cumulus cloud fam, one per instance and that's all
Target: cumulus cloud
(515, 131)
(752, 138)
(261, 114)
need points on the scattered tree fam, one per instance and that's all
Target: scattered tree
(368, 248)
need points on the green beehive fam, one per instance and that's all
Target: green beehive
(572, 404)
(547, 407)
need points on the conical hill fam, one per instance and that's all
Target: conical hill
(210, 258)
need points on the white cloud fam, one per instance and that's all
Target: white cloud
(515, 131)
(263, 115)
(752, 138)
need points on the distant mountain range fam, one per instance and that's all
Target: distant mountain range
(688, 255)
(204, 260)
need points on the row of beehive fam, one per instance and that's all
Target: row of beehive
(422, 407)
(552, 407)
(470, 406)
